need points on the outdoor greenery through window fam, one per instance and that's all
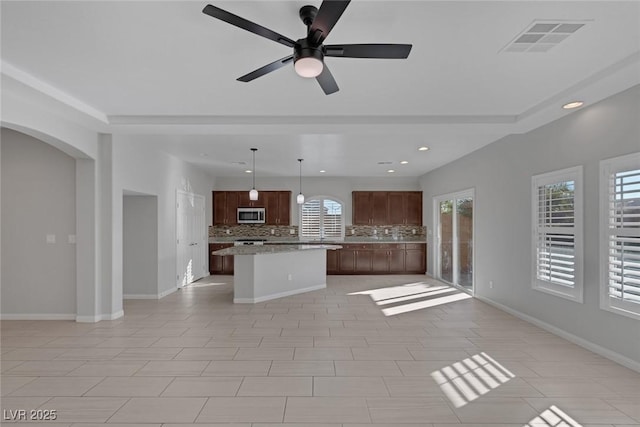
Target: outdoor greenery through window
(321, 218)
(621, 233)
(557, 233)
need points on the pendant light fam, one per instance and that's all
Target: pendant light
(300, 198)
(253, 194)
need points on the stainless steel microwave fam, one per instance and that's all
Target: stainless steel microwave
(251, 215)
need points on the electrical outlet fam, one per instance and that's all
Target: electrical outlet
(228, 231)
(490, 284)
(290, 277)
(292, 231)
(273, 231)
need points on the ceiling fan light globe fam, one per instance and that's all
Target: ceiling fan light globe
(308, 67)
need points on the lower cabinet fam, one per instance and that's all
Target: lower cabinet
(220, 264)
(378, 258)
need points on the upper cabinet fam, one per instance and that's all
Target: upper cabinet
(225, 206)
(387, 208)
(277, 206)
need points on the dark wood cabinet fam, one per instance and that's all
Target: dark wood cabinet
(333, 262)
(387, 208)
(225, 204)
(347, 260)
(415, 258)
(378, 258)
(277, 206)
(220, 264)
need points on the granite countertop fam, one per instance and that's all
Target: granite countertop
(276, 241)
(270, 249)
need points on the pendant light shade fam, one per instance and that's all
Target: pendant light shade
(300, 198)
(253, 194)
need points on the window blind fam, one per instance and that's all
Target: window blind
(623, 235)
(555, 229)
(321, 219)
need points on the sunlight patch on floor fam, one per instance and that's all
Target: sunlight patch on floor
(553, 417)
(463, 382)
(415, 296)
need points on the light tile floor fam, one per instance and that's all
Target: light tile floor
(330, 358)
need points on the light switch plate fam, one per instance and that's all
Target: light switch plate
(51, 238)
(72, 239)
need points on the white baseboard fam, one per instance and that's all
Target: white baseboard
(32, 316)
(139, 296)
(598, 349)
(99, 317)
(278, 295)
(150, 296)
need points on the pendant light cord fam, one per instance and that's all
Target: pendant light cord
(300, 160)
(254, 167)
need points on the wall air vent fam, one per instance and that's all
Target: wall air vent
(542, 35)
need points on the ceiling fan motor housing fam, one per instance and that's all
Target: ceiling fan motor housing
(304, 49)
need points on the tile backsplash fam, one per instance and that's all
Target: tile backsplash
(291, 231)
(395, 231)
(254, 230)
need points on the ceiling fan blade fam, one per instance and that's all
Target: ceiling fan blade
(327, 82)
(328, 14)
(386, 51)
(232, 19)
(266, 69)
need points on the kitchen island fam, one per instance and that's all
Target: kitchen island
(263, 273)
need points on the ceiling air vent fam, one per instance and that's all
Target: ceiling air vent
(540, 36)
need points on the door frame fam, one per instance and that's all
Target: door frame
(470, 192)
(203, 239)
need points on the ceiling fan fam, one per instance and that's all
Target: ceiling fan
(309, 52)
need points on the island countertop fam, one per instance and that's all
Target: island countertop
(270, 249)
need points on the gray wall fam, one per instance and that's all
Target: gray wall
(38, 198)
(501, 175)
(140, 246)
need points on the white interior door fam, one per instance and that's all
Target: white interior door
(191, 238)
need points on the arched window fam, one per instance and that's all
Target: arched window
(321, 218)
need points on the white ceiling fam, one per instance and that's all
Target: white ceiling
(162, 72)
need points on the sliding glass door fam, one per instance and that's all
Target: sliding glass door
(454, 227)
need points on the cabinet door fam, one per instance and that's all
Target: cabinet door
(413, 208)
(380, 261)
(361, 209)
(396, 260)
(243, 199)
(333, 259)
(416, 259)
(215, 261)
(397, 207)
(219, 207)
(270, 200)
(227, 265)
(232, 208)
(379, 208)
(284, 207)
(347, 260)
(363, 261)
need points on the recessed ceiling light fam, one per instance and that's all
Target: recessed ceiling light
(404, 162)
(204, 155)
(386, 162)
(423, 148)
(572, 105)
(248, 171)
(391, 171)
(322, 171)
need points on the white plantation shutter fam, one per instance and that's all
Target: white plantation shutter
(321, 218)
(621, 234)
(557, 233)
